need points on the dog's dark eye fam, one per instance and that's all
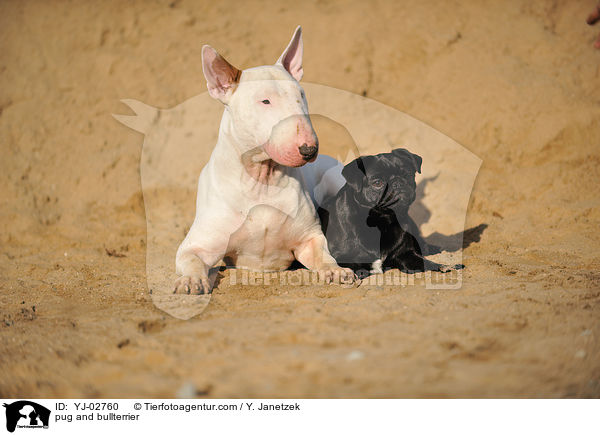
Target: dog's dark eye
(265, 102)
(377, 184)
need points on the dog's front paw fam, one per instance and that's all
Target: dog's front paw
(191, 285)
(337, 275)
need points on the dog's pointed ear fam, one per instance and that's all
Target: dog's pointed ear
(221, 77)
(417, 160)
(354, 173)
(291, 58)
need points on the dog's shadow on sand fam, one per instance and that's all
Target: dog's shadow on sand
(458, 241)
(418, 210)
(437, 241)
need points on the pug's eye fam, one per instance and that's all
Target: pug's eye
(377, 184)
(265, 102)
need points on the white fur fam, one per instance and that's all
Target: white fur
(376, 267)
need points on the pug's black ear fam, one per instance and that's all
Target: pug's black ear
(417, 160)
(354, 173)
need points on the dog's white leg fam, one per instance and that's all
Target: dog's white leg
(376, 267)
(193, 271)
(315, 255)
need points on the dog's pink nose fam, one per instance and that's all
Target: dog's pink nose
(308, 152)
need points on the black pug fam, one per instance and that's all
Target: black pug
(367, 225)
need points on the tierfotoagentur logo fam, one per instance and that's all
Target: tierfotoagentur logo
(25, 414)
(396, 278)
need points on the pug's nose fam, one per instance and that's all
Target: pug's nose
(308, 152)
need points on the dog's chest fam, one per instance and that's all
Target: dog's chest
(270, 226)
(266, 239)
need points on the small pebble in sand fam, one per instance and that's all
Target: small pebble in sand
(186, 391)
(355, 355)
(586, 332)
(580, 354)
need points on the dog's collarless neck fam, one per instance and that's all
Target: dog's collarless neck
(264, 172)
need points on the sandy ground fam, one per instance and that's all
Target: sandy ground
(516, 83)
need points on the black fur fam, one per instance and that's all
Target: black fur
(368, 218)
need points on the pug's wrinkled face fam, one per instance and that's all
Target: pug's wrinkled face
(385, 180)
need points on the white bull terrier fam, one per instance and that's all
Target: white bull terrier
(253, 209)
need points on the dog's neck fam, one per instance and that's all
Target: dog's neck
(381, 218)
(262, 170)
(385, 219)
(255, 163)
